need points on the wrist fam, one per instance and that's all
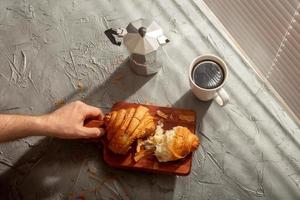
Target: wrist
(40, 125)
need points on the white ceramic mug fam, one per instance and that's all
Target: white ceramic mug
(218, 93)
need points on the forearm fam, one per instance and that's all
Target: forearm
(66, 122)
(18, 126)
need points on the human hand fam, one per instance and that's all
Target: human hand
(68, 121)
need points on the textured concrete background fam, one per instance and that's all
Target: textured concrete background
(53, 52)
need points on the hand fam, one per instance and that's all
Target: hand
(68, 121)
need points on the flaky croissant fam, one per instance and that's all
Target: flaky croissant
(124, 126)
(172, 144)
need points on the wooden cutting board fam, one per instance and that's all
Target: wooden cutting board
(174, 117)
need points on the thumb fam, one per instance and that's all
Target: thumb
(93, 132)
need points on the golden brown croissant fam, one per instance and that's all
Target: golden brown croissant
(172, 144)
(124, 126)
(183, 143)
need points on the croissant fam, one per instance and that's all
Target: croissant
(172, 144)
(124, 126)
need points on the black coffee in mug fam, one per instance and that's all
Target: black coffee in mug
(208, 74)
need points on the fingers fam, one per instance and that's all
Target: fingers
(91, 111)
(92, 132)
(87, 110)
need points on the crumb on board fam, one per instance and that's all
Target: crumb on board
(142, 154)
(140, 143)
(148, 103)
(171, 116)
(160, 123)
(162, 114)
(188, 118)
(141, 151)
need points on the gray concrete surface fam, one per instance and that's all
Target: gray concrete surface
(53, 52)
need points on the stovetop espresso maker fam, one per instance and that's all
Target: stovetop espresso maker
(144, 40)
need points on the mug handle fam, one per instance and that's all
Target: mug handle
(222, 97)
